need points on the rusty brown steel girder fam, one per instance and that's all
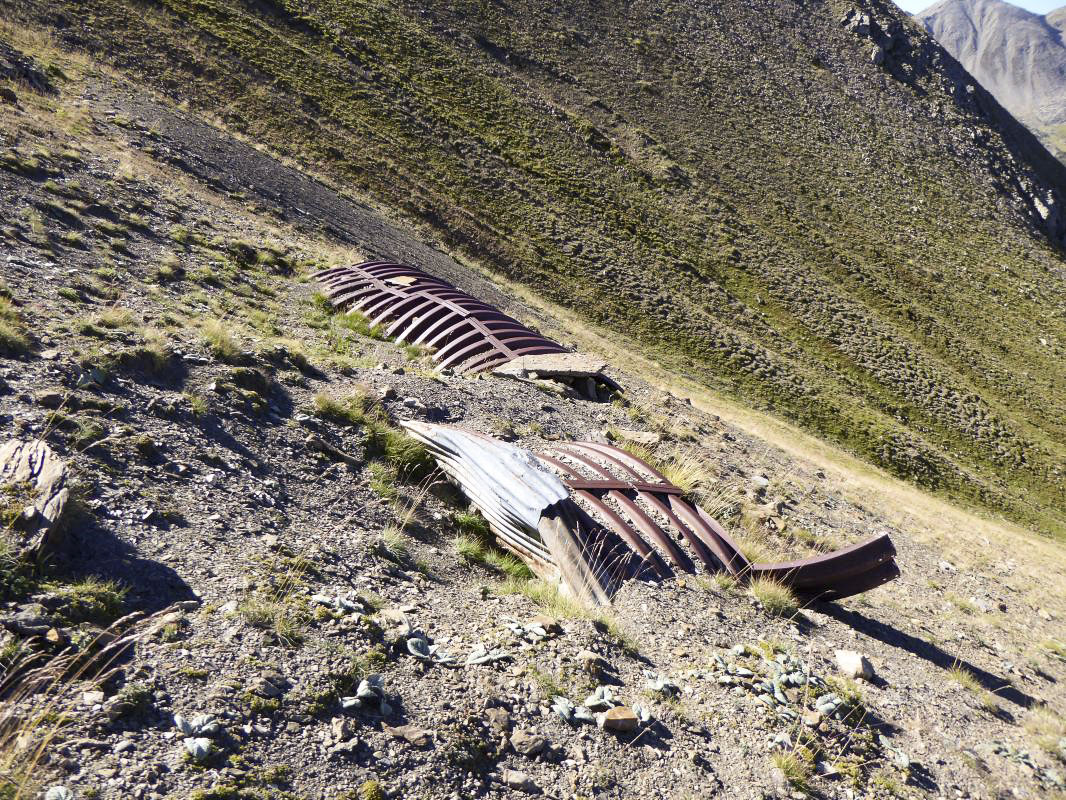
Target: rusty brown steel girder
(597, 473)
(465, 333)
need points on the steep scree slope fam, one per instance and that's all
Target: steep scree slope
(808, 205)
(1018, 56)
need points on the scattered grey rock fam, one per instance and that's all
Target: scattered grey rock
(419, 737)
(645, 438)
(270, 684)
(854, 665)
(499, 719)
(619, 718)
(515, 779)
(527, 743)
(49, 398)
(341, 729)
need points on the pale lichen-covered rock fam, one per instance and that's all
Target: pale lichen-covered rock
(32, 473)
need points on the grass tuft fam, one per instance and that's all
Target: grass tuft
(90, 599)
(1048, 729)
(393, 545)
(221, 342)
(966, 679)
(14, 340)
(797, 770)
(777, 599)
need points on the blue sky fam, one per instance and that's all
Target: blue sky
(1036, 6)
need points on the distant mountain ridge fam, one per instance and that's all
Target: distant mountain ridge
(1020, 57)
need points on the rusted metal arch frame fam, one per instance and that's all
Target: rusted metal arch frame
(710, 549)
(652, 500)
(829, 576)
(640, 517)
(648, 554)
(469, 334)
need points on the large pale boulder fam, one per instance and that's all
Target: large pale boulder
(34, 477)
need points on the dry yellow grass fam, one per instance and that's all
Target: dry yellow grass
(963, 537)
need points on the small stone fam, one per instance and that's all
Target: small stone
(812, 719)
(49, 399)
(270, 684)
(620, 718)
(854, 665)
(499, 719)
(341, 729)
(528, 743)
(549, 624)
(515, 779)
(92, 698)
(419, 737)
(36, 467)
(646, 438)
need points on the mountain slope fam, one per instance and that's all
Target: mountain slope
(809, 206)
(284, 551)
(1020, 57)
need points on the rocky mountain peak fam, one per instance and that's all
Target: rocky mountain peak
(1019, 56)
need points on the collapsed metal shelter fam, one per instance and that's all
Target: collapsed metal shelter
(591, 515)
(467, 334)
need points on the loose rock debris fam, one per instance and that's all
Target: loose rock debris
(591, 516)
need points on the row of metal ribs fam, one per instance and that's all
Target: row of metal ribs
(466, 334)
(589, 515)
(635, 501)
